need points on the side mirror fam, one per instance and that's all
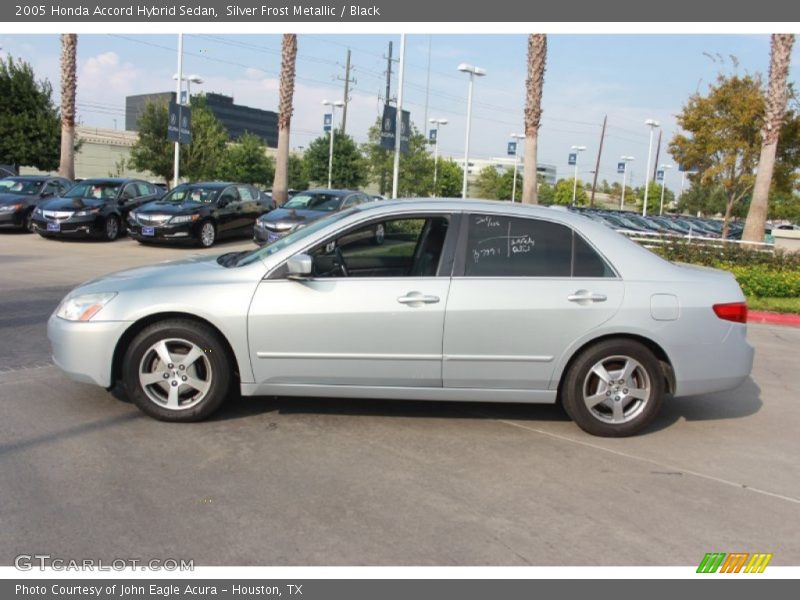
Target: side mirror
(299, 267)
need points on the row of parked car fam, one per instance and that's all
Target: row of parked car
(199, 213)
(662, 224)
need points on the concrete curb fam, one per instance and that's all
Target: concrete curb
(772, 318)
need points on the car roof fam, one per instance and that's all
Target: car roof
(119, 180)
(211, 183)
(33, 177)
(327, 191)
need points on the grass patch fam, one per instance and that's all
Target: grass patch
(780, 305)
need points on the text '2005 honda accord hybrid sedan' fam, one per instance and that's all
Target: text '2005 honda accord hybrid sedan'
(463, 300)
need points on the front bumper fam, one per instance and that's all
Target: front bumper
(89, 225)
(84, 350)
(263, 236)
(12, 218)
(185, 232)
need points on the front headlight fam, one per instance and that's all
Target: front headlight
(11, 207)
(84, 306)
(38, 212)
(87, 211)
(183, 219)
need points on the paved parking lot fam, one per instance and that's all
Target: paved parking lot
(282, 481)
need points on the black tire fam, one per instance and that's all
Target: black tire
(111, 230)
(619, 413)
(216, 371)
(205, 242)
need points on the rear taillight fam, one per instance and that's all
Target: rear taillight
(732, 311)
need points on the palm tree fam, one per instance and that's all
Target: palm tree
(280, 185)
(537, 57)
(777, 96)
(69, 83)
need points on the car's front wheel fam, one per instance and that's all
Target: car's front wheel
(28, 222)
(112, 228)
(207, 235)
(177, 370)
(613, 388)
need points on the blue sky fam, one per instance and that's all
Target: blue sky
(628, 77)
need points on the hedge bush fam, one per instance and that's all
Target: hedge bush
(762, 274)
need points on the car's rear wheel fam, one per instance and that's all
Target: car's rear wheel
(112, 228)
(613, 388)
(177, 370)
(208, 234)
(28, 221)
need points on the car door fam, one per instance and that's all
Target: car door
(250, 208)
(378, 326)
(228, 211)
(523, 290)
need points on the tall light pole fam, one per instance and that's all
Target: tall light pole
(653, 125)
(473, 72)
(625, 160)
(577, 150)
(189, 79)
(398, 121)
(663, 169)
(438, 123)
(176, 161)
(516, 137)
(333, 104)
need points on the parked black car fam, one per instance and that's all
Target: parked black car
(20, 195)
(200, 212)
(304, 208)
(93, 208)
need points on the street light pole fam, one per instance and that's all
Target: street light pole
(578, 150)
(333, 106)
(176, 166)
(625, 160)
(664, 169)
(653, 124)
(438, 123)
(517, 137)
(473, 72)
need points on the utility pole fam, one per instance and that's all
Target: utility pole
(658, 151)
(398, 125)
(597, 164)
(347, 81)
(428, 80)
(389, 61)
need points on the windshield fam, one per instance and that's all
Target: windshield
(103, 190)
(193, 193)
(295, 236)
(22, 187)
(321, 202)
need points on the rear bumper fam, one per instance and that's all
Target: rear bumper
(703, 369)
(85, 350)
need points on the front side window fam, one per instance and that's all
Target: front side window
(246, 193)
(500, 246)
(393, 248)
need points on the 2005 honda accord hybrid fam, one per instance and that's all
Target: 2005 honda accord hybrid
(463, 300)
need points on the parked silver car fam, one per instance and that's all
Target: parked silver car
(463, 300)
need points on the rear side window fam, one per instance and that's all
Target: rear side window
(499, 246)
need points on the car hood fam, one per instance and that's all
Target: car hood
(71, 203)
(13, 199)
(294, 215)
(170, 208)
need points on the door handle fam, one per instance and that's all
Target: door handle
(586, 297)
(416, 298)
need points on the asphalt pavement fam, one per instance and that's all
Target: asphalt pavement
(296, 481)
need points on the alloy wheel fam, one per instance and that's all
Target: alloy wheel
(617, 389)
(175, 374)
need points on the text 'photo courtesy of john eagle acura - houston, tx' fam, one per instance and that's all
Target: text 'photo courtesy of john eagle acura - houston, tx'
(421, 300)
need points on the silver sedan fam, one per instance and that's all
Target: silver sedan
(462, 300)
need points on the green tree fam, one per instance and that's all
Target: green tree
(349, 166)
(653, 197)
(448, 179)
(547, 194)
(199, 160)
(785, 206)
(246, 161)
(507, 185)
(298, 180)
(705, 199)
(30, 126)
(488, 183)
(416, 165)
(562, 194)
(722, 137)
